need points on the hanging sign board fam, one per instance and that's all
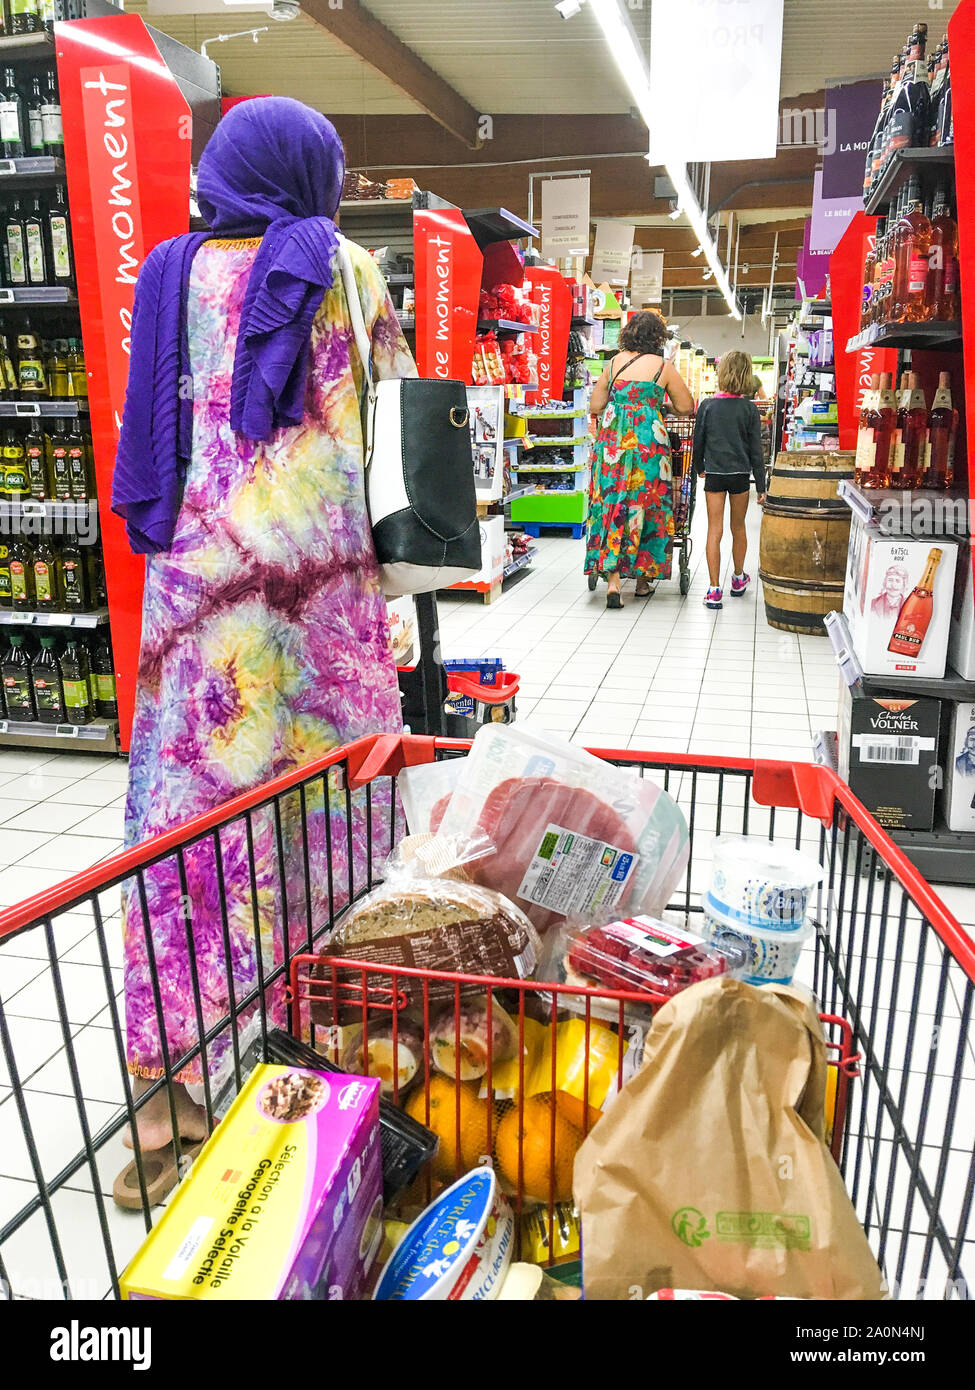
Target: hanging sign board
(612, 251)
(647, 279)
(851, 112)
(830, 217)
(737, 57)
(448, 281)
(565, 218)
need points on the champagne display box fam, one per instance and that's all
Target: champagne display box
(960, 768)
(897, 602)
(887, 747)
(961, 641)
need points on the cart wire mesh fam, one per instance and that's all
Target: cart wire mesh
(888, 960)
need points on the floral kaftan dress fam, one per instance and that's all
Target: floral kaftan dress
(265, 644)
(631, 508)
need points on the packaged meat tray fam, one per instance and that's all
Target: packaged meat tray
(646, 956)
(561, 833)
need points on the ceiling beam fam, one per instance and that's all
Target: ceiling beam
(357, 29)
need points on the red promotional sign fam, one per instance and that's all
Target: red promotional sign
(853, 369)
(554, 297)
(448, 282)
(127, 147)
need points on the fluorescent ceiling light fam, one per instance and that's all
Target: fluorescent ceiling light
(625, 47)
(698, 250)
(675, 214)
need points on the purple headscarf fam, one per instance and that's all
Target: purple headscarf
(273, 168)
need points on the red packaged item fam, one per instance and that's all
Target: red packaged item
(646, 956)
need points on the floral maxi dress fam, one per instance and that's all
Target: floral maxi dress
(631, 507)
(265, 644)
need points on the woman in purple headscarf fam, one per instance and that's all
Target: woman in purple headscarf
(265, 640)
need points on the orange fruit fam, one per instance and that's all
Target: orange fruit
(472, 1130)
(538, 1120)
(571, 1107)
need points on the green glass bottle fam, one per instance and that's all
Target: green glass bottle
(37, 267)
(47, 685)
(74, 676)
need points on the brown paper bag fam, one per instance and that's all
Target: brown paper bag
(710, 1171)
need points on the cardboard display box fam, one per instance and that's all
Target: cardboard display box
(888, 753)
(960, 768)
(961, 642)
(896, 629)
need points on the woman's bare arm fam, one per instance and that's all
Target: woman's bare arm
(599, 399)
(680, 397)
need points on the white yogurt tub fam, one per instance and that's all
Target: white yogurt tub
(761, 884)
(771, 956)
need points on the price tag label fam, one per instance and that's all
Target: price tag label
(3, 726)
(6, 296)
(8, 166)
(67, 730)
(26, 408)
(26, 618)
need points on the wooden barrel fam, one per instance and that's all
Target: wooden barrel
(804, 540)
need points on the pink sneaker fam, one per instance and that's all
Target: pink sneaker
(739, 583)
(713, 599)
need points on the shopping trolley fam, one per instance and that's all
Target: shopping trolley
(892, 972)
(681, 430)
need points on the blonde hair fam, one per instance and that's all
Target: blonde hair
(735, 373)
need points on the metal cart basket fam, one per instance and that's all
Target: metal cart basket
(891, 969)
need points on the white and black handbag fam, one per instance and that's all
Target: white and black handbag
(419, 471)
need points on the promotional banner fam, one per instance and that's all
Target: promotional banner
(552, 294)
(565, 218)
(448, 267)
(851, 113)
(812, 267)
(647, 279)
(127, 148)
(611, 252)
(733, 58)
(830, 216)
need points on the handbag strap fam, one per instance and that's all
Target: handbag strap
(360, 334)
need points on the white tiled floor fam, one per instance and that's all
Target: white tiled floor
(663, 675)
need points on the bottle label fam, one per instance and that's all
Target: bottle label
(51, 121)
(942, 399)
(46, 693)
(31, 376)
(35, 254)
(917, 274)
(15, 479)
(35, 469)
(36, 131)
(866, 450)
(76, 694)
(17, 691)
(897, 455)
(18, 581)
(73, 596)
(59, 243)
(951, 275)
(9, 120)
(16, 256)
(105, 685)
(42, 582)
(62, 477)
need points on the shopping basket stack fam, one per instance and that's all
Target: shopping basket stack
(893, 975)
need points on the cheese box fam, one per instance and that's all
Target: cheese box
(284, 1201)
(960, 768)
(888, 753)
(897, 602)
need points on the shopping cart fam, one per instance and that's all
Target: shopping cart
(892, 971)
(681, 430)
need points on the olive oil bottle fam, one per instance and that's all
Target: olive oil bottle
(14, 484)
(47, 685)
(21, 576)
(4, 574)
(103, 670)
(46, 589)
(17, 689)
(59, 468)
(77, 464)
(31, 377)
(74, 676)
(71, 578)
(36, 449)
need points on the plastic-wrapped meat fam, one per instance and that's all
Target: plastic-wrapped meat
(515, 817)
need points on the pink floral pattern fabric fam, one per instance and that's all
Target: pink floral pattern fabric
(265, 644)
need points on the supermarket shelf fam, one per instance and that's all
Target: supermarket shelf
(941, 855)
(506, 326)
(348, 205)
(37, 295)
(400, 279)
(10, 618)
(543, 414)
(100, 736)
(554, 441)
(934, 512)
(41, 168)
(931, 335)
(26, 48)
(497, 224)
(900, 168)
(952, 686)
(521, 563)
(55, 510)
(549, 468)
(28, 409)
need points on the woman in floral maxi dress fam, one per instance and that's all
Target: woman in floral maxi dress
(631, 515)
(265, 645)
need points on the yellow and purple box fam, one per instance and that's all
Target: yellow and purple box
(283, 1202)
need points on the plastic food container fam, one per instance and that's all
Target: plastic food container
(646, 955)
(458, 1249)
(761, 884)
(770, 957)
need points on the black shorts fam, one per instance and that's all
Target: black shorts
(733, 483)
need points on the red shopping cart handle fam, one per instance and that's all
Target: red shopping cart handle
(503, 690)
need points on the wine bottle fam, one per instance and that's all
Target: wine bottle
(11, 118)
(896, 443)
(946, 119)
(885, 144)
(35, 125)
(914, 619)
(871, 170)
(869, 271)
(59, 239)
(15, 248)
(942, 285)
(866, 449)
(914, 434)
(51, 118)
(938, 89)
(909, 301)
(37, 269)
(910, 112)
(942, 431)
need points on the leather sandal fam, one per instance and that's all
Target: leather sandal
(161, 1173)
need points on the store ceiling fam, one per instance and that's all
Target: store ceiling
(542, 80)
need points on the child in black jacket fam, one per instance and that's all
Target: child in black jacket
(728, 454)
